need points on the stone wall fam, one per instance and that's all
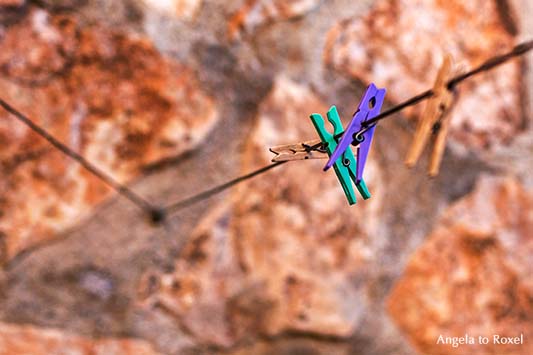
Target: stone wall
(173, 97)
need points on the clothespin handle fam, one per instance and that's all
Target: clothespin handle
(298, 151)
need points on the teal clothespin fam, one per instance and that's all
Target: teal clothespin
(345, 173)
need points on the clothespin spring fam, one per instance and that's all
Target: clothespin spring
(358, 137)
(319, 147)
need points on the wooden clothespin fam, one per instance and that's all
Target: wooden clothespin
(346, 166)
(435, 120)
(298, 151)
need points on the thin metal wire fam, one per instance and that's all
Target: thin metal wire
(409, 102)
(489, 64)
(159, 214)
(104, 177)
(217, 189)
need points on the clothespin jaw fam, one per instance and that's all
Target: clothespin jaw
(435, 120)
(298, 151)
(345, 168)
(368, 108)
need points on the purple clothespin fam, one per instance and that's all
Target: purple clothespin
(369, 107)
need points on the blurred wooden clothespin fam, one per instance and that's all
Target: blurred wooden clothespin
(435, 120)
(298, 151)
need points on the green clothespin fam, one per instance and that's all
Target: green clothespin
(345, 173)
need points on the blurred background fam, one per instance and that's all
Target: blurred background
(175, 96)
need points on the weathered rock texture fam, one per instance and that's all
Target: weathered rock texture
(108, 95)
(473, 274)
(280, 264)
(181, 9)
(24, 339)
(276, 260)
(256, 13)
(400, 45)
(12, 2)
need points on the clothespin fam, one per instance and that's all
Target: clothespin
(298, 151)
(345, 168)
(435, 120)
(369, 107)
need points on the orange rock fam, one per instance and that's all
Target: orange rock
(472, 275)
(25, 339)
(255, 13)
(182, 9)
(277, 257)
(14, 3)
(400, 45)
(110, 96)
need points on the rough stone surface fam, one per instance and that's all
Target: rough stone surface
(256, 13)
(110, 96)
(182, 9)
(280, 264)
(400, 45)
(12, 2)
(25, 339)
(483, 247)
